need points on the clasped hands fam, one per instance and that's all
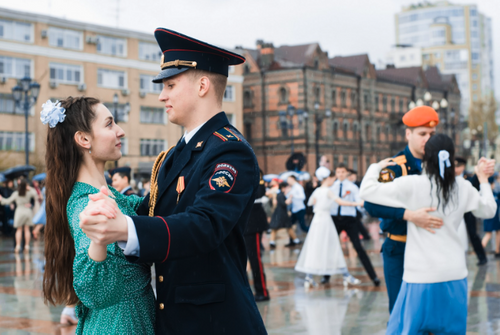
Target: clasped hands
(102, 221)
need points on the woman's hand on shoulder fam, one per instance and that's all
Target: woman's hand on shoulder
(386, 162)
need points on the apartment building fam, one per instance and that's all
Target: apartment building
(69, 58)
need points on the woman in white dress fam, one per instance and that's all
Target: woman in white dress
(321, 253)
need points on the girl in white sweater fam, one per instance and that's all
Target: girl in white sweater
(433, 295)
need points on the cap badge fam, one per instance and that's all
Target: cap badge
(432, 123)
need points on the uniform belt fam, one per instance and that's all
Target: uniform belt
(399, 238)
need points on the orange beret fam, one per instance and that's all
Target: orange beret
(421, 116)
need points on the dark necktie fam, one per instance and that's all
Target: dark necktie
(340, 196)
(178, 148)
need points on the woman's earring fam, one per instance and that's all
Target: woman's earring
(90, 150)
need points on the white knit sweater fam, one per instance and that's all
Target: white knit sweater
(430, 258)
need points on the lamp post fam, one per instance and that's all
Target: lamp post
(286, 122)
(30, 89)
(411, 105)
(319, 120)
(115, 112)
(427, 98)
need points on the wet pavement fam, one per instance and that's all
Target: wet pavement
(326, 309)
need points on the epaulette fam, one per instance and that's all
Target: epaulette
(401, 161)
(226, 134)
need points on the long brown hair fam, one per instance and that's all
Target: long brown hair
(21, 188)
(63, 159)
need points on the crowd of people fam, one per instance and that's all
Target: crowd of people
(202, 215)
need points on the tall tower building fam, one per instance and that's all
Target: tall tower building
(455, 38)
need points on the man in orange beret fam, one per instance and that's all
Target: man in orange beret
(420, 124)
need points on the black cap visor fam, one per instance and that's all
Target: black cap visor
(170, 72)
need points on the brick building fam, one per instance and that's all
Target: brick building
(343, 106)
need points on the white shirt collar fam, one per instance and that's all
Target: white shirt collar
(189, 135)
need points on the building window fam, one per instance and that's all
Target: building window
(152, 115)
(8, 105)
(283, 94)
(317, 94)
(335, 161)
(17, 31)
(474, 87)
(346, 129)
(474, 76)
(353, 99)
(248, 131)
(229, 94)
(355, 131)
(149, 51)
(65, 38)
(384, 103)
(366, 99)
(121, 111)
(152, 147)
(379, 134)
(355, 163)
(334, 97)
(345, 160)
(393, 105)
(147, 85)
(368, 132)
(124, 148)
(246, 69)
(335, 129)
(400, 105)
(111, 79)
(65, 73)
(247, 99)
(11, 67)
(376, 102)
(112, 46)
(14, 141)
(474, 97)
(343, 98)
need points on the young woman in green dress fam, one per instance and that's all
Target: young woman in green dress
(112, 295)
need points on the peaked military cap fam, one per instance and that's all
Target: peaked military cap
(122, 169)
(181, 53)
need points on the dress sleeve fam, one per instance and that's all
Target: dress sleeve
(134, 201)
(391, 194)
(9, 200)
(98, 285)
(311, 199)
(482, 204)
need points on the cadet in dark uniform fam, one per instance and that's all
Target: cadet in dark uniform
(202, 193)
(121, 180)
(257, 223)
(420, 122)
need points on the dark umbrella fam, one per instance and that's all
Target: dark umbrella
(2, 178)
(296, 162)
(18, 171)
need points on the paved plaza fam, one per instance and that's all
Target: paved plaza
(329, 309)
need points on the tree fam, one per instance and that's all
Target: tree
(483, 111)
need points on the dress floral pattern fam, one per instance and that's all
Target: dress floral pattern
(115, 295)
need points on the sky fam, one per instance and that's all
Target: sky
(342, 27)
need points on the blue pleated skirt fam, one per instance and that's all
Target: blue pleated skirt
(439, 308)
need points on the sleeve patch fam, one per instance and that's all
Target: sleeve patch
(223, 178)
(386, 176)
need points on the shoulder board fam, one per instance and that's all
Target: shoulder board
(399, 159)
(226, 134)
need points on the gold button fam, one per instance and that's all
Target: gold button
(162, 306)
(160, 279)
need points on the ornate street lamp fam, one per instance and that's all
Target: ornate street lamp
(30, 89)
(411, 105)
(319, 120)
(427, 97)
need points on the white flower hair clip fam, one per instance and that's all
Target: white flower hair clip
(52, 113)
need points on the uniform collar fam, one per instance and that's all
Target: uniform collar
(410, 160)
(125, 189)
(189, 135)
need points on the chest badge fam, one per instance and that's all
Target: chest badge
(199, 144)
(180, 187)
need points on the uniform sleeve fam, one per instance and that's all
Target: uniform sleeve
(215, 211)
(98, 285)
(134, 201)
(391, 194)
(482, 204)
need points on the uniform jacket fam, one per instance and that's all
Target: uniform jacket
(129, 191)
(197, 244)
(393, 217)
(257, 223)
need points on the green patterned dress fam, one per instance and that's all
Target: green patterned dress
(116, 295)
